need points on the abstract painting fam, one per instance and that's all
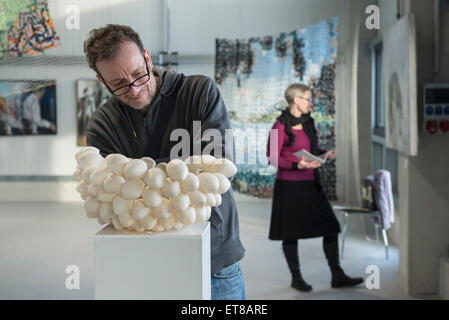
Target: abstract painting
(26, 27)
(253, 74)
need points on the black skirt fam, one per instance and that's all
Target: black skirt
(300, 211)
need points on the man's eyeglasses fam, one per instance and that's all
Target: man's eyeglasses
(126, 88)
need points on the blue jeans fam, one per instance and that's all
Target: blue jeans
(228, 284)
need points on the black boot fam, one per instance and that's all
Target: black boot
(339, 278)
(291, 254)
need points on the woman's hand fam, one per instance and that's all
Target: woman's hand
(304, 164)
(332, 154)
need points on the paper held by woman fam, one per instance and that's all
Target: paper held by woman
(310, 157)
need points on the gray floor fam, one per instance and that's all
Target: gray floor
(39, 240)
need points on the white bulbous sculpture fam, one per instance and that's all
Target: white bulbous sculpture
(162, 166)
(218, 200)
(85, 175)
(210, 199)
(163, 211)
(187, 216)
(178, 225)
(140, 211)
(116, 163)
(149, 161)
(126, 219)
(116, 223)
(224, 166)
(135, 169)
(223, 183)
(91, 215)
(98, 176)
(77, 174)
(207, 161)
(208, 182)
(181, 202)
(92, 205)
(193, 163)
(197, 198)
(101, 221)
(85, 149)
(191, 183)
(105, 196)
(89, 158)
(158, 228)
(93, 190)
(82, 186)
(155, 178)
(105, 212)
(113, 184)
(177, 170)
(132, 189)
(170, 196)
(152, 197)
(167, 223)
(121, 206)
(201, 214)
(137, 226)
(208, 212)
(171, 188)
(149, 222)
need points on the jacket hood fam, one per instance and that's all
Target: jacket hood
(169, 79)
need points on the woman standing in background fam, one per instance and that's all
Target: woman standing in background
(300, 208)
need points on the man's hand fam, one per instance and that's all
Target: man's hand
(304, 164)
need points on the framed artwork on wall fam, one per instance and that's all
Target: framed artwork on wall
(27, 107)
(400, 93)
(90, 94)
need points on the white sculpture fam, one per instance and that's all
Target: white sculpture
(139, 195)
(116, 163)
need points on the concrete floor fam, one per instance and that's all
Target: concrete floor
(39, 240)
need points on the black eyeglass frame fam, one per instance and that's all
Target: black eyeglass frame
(310, 99)
(129, 85)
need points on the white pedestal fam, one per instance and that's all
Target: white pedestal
(154, 265)
(444, 278)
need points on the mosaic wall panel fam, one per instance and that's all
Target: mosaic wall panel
(253, 75)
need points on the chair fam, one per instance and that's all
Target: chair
(369, 207)
(350, 210)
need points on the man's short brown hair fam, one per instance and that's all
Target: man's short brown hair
(103, 43)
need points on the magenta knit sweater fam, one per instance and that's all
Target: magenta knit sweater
(283, 157)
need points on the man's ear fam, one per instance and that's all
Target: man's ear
(101, 80)
(148, 58)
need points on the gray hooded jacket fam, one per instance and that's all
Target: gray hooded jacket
(118, 128)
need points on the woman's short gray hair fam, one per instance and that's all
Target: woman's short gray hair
(294, 90)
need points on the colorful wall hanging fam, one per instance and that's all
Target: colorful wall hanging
(253, 75)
